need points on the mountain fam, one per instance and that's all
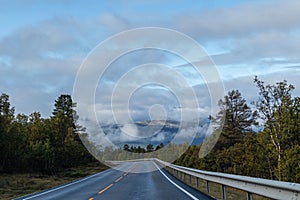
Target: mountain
(141, 133)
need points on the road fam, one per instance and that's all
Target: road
(123, 183)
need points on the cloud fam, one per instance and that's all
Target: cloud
(240, 37)
(270, 44)
(40, 61)
(113, 22)
(248, 88)
(241, 20)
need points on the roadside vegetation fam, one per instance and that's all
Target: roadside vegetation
(14, 185)
(258, 139)
(34, 144)
(38, 153)
(271, 153)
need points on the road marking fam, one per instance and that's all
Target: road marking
(118, 179)
(91, 198)
(109, 186)
(126, 174)
(63, 186)
(183, 190)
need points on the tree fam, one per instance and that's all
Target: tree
(126, 147)
(6, 112)
(237, 117)
(41, 151)
(149, 148)
(64, 106)
(291, 166)
(64, 134)
(32, 143)
(7, 139)
(161, 145)
(278, 110)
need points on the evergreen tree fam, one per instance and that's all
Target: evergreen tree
(149, 148)
(126, 147)
(7, 137)
(237, 118)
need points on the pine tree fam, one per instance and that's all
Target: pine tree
(7, 136)
(237, 118)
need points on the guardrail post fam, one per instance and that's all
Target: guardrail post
(207, 186)
(190, 179)
(249, 196)
(197, 182)
(223, 192)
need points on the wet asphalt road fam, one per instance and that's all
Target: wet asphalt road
(124, 182)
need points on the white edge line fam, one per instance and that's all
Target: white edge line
(183, 190)
(58, 188)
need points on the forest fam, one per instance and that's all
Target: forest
(272, 153)
(260, 139)
(33, 144)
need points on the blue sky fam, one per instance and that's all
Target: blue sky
(43, 43)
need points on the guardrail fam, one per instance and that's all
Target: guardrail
(262, 187)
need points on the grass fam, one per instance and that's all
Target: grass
(16, 185)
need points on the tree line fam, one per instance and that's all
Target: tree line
(272, 153)
(34, 144)
(139, 149)
(169, 152)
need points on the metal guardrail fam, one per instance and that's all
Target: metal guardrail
(263, 187)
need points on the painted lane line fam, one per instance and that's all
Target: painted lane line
(118, 179)
(183, 190)
(131, 168)
(63, 186)
(109, 186)
(91, 198)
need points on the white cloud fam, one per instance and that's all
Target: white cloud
(41, 61)
(241, 20)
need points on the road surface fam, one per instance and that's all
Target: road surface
(124, 183)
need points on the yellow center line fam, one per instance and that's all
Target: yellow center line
(134, 167)
(105, 188)
(118, 179)
(130, 170)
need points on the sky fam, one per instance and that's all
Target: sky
(44, 43)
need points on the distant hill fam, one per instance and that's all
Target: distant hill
(141, 133)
